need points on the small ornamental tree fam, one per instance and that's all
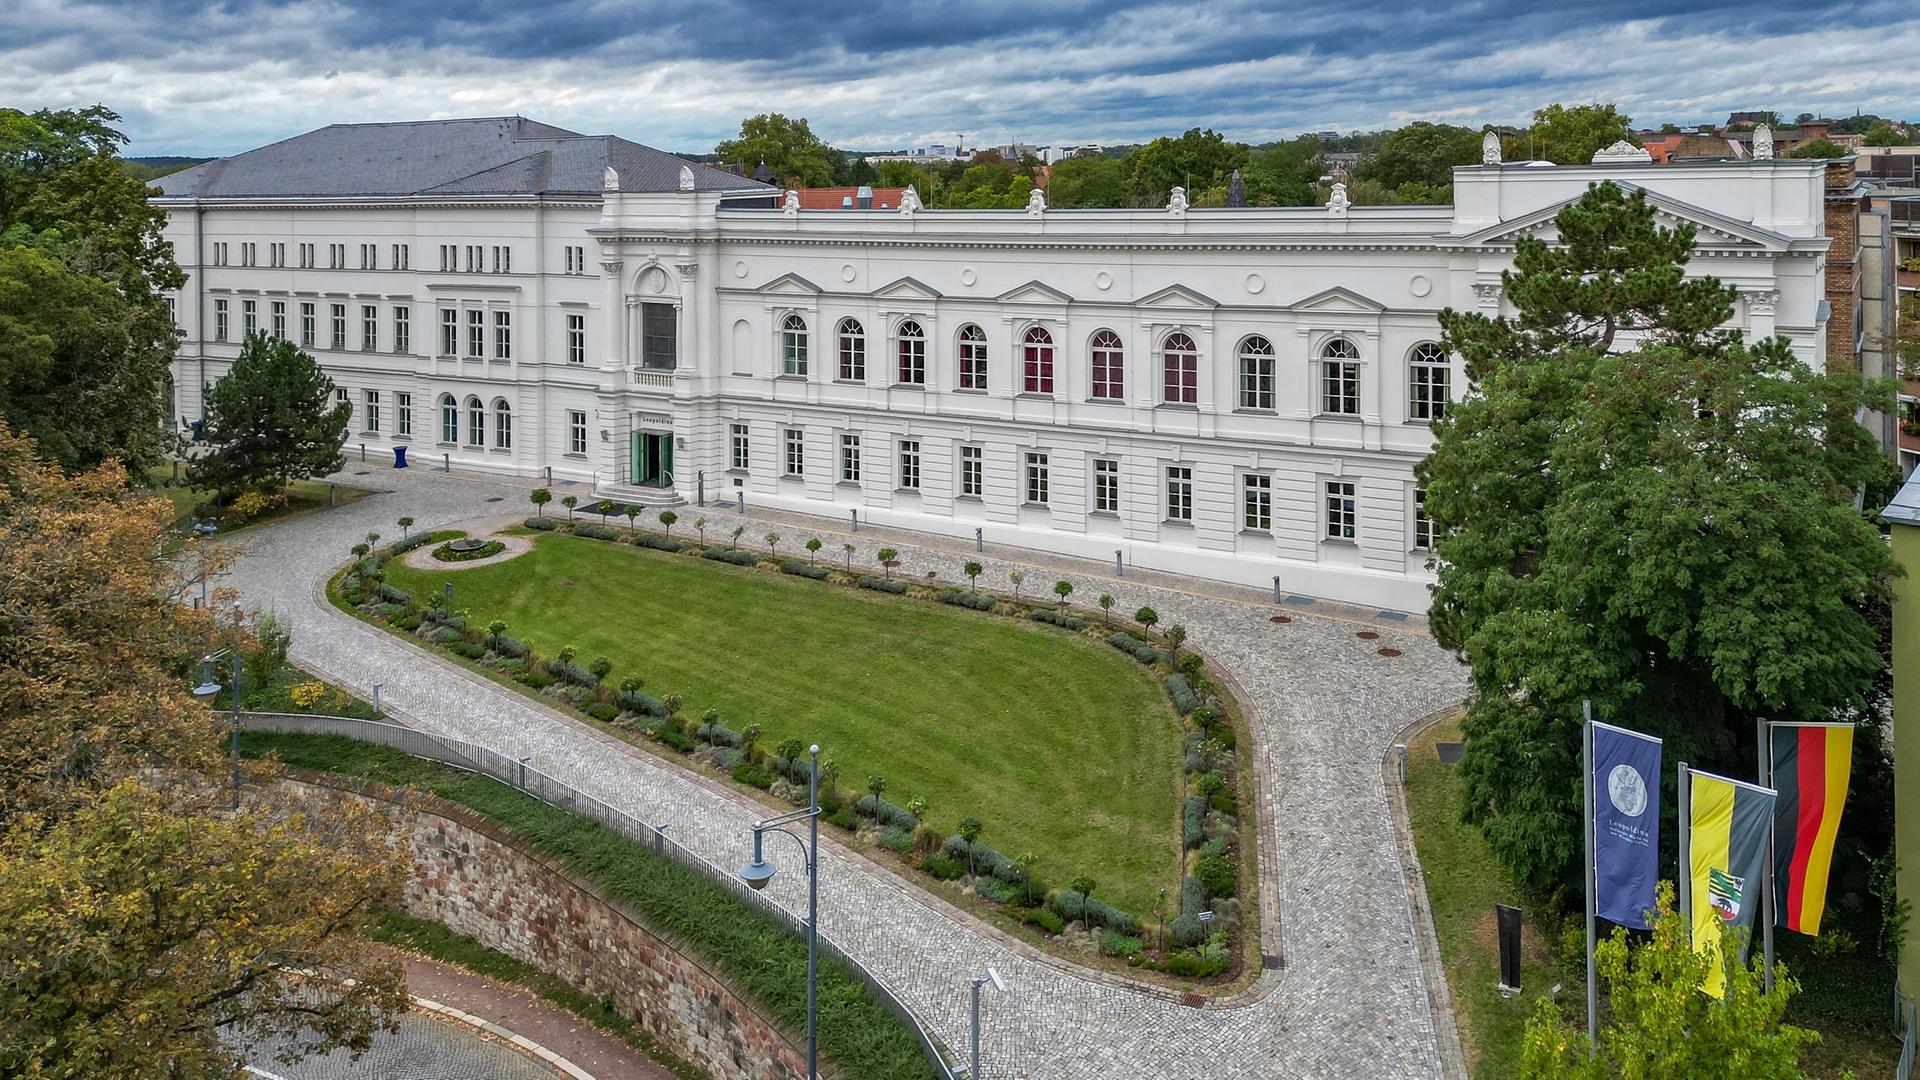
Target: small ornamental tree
(773, 540)
(1083, 885)
(270, 420)
(973, 570)
(848, 550)
(1146, 617)
(1016, 577)
(667, 521)
(970, 831)
(1106, 606)
(570, 502)
(1176, 636)
(540, 497)
(734, 540)
(701, 524)
(1063, 589)
(813, 548)
(748, 738)
(405, 524)
(496, 628)
(605, 506)
(632, 513)
(876, 786)
(791, 749)
(887, 557)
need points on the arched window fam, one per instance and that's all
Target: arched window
(973, 358)
(1429, 382)
(793, 346)
(1038, 350)
(1180, 368)
(1340, 378)
(1256, 373)
(913, 354)
(476, 422)
(449, 419)
(853, 351)
(502, 424)
(1109, 366)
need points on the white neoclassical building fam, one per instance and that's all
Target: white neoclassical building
(1236, 393)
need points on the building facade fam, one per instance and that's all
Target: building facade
(1240, 393)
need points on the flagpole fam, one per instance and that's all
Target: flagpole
(1684, 818)
(1586, 787)
(1766, 878)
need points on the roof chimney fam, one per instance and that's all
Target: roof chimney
(864, 197)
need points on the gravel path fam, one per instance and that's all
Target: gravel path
(1352, 998)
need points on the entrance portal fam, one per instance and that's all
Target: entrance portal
(650, 461)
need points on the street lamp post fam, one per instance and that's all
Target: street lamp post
(1000, 984)
(208, 689)
(760, 871)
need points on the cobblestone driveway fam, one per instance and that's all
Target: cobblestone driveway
(1352, 999)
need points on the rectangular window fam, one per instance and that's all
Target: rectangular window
(247, 250)
(739, 449)
(307, 330)
(402, 329)
(1256, 502)
(219, 254)
(853, 356)
(449, 331)
(576, 339)
(1256, 382)
(576, 431)
(1430, 385)
(796, 452)
(1422, 524)
(1340, 387)
(659, 337)
(1037, 479)
(1106, 485)
(219, 320)
(337, 325)
(279, 310)
(503, 335)
(506, 261)
(972, 480)
(249, 317)
(340, 397)
(476, 259)
(337, 256)
(276, 254)
(1341, 509)
(369, 327)
(403, 414)
(850, 458)
(496, 258)
(1179, 493)
(476, 333)
(365, 263)
(910, 464)
(913, 358)
(447, 264)
(400, 256)
(372, 412)
(173, 310)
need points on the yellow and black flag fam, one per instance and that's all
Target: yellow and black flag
(1726, 830)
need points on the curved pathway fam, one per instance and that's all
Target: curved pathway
(1352, 998)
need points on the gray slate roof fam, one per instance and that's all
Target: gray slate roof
(1905, 508)
(507, 155)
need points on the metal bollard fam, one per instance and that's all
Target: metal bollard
(549, 476)
(363, 451)
(1276, 589)
(333, 494)
(1119, 569)
(522, 772)
(376, 698)
(855, 515)
(446, 463)
(979, 538)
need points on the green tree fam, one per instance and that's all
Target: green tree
(787, 145)
(540, 497)
(969, 830)
(1083, 885)
(668, 519)
(1106, 606)
(271, 419)
(773, 540)
(1883, 134)
(1146, 617)
(1176, 636)
(604, 507)
(570, 502)
(1421, 153)
(1819, 148)
(1063, 589)
(1569, 134)
(887, 557)
(1284, 174)
(632, 514)
(1661, 1024)
(733, 538)
(813, 546)
(405, 523)
(1199, 160)
(1662, 523)
(973, 570)
(1088, 181)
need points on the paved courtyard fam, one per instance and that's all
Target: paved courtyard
(1352, 998)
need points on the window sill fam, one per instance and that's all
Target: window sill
(1031, 505)
(1114, 514)
(1034, 395)
(1177, 523)
(1249, 531)
(1178, 406)
(849, 382)
(1340, 418)
(793, 476)
(854, 484)
(403, 438)
(574, 456)
(446, 446)
(1245, 411)
(1419, 423)
(784, 376)
(736, 472)
(967, 498)
(1338, 541)
(1106, 401)
(1424, 553)
(908, 386)
(906, 491)
(976, 391)
(500, 450)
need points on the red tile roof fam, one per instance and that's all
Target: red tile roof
(840, 198)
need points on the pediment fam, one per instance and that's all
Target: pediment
(908, 287)
(1710, 229)
(1180, 298)
(790, 285)
(1339, 298)
(1035, 292)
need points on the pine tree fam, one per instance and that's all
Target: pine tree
(271, 420)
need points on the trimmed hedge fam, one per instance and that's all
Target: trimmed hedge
(595, 532)
(406, 544)
(602, 712)
(510, 646)
(1183, 696)
(1186, 932)
(718, 734)
(1193, 818)
(658, 543)
(541, 524)
(985, 860)
(1058, 618)
(885, 585)
(1216, 873)
(1134, 647)
(393, 594)
(800, 569)
(965, 599)
(1193, 896)
(573, 673)
(1070, 905)
(731, 555)
(643, 704)
(886, 813)
(1044, 919)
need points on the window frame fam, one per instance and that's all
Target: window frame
(220, 318)
(911, 352)
(449, 331)
(402, 328)
(1422, 524)
(793, 442)
(336, 326)
(577, 432)
(476, 421)
(1429, 383)
(740, 447)
(793, 345)
(973, 471)
(1256, 502)
(476, 334)
(851, 341)
(1106, 485)
(1340, 511)
(1106, 350)
(1036, 361)
(1179, 491)
(402, 413)
(502, 424)
(1257, 367)
(1038, 474)
(369, 328)
(849, 457)
(502, 334)
(1339, 378)
(971, 346)
(449, 420)
(908, 460)
(576, 338)
(1179, 370)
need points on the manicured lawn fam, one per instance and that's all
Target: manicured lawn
(302, 495)
(1059, 744)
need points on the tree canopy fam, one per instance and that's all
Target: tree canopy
(1422, 154)
(1199, 160)
(1570, 134)
(1819, 148)
(1641, 508)
(1088, 181)
(270, 420)
(1883, 134)
(787, 145)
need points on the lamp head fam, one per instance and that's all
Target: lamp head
(999, 983)
(207, 688)
(756, 874)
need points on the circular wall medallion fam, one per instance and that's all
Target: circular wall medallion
(848, 273)
(1256, 283)
(1103, 281)
(1420, 285)
(968, 277)
(740, 268)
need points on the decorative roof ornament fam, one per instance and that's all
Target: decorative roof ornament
(763, 174)
(610, 180)
(1177, 202)
(686, 178)
(909, 201)
(1762, 143)
(1337, 201)
(1622, 152)
(791, 206)
(1036, 203)
(1490, 148)
(1236, 191)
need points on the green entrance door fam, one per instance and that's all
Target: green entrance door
(651, 459)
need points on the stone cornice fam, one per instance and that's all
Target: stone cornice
(1436, 245)
(409, 202)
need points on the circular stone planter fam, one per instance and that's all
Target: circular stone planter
(421, 558)
(466, 544)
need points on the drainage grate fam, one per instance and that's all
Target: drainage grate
(1388, 652)
(1391, 616)
(1269, 962)
(1282, 619)
(1300, 601)
(497, 498)
(1368, 635)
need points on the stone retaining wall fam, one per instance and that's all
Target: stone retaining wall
(480, 881)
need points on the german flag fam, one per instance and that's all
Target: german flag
(1811, 763)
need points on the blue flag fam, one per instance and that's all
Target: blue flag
(1626, 823)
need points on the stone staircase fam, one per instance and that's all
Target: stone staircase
(637, 495)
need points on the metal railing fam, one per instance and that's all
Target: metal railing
(1909, 1014)
(522, 776)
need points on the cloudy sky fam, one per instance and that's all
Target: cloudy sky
(194, 78)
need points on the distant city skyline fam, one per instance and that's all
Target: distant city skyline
(211, 80)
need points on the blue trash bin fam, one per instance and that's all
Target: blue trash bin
(399, 457)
